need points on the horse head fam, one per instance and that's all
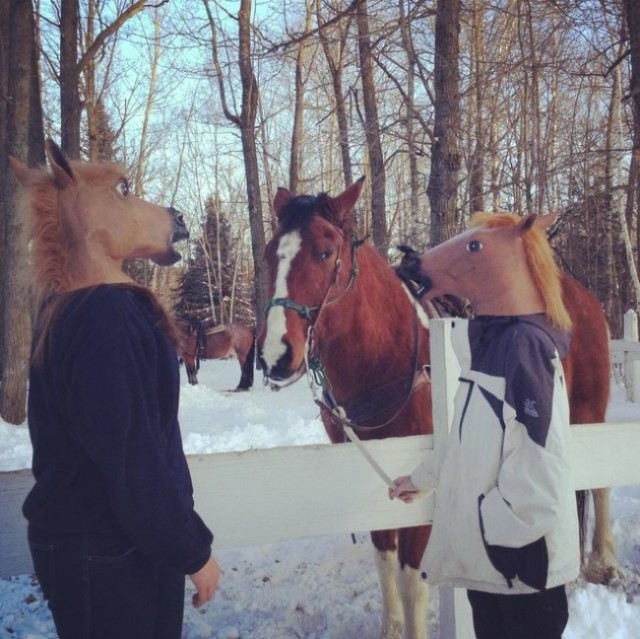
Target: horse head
(310, 262)
(84, 222)
(492, 264)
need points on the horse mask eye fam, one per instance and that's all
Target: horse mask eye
(474, 246)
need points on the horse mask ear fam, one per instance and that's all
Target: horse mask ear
(60, 166)
(542, 222)
(343, 204)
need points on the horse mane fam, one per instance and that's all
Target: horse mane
(544, 270)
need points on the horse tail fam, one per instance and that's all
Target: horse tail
(246, 377)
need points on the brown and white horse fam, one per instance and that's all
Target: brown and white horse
(218, 342)
(82, 222)
(504, 263)
(338, 309)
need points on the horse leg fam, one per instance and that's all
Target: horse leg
(603, 566)
(386, 558)
(414, 591)
(192, 375)
(246, 366)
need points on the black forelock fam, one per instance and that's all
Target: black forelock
(299, 211)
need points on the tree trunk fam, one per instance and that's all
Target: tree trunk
(476, 170)
(336, 69)
(632, 12)
(298, 110)
(250, 154)
(23, 138)
(70, 107)
(445, 156)
(417, 222)
(372, 133)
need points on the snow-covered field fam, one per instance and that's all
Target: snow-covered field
(318, 588)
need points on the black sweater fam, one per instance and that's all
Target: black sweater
(103, 419)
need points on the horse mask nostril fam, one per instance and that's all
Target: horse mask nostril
(409, 272)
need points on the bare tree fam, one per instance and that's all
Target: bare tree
(445, 154)
(246, 123)
(333, 40)
(24, 139)
(372, 132)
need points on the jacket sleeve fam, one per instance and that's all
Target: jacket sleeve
(113, 404)
(526, 502)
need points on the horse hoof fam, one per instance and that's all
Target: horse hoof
(603, 570)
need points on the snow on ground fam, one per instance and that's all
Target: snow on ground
(317, 588)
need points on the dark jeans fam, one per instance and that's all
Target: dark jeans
(540, 615)
(99, 587)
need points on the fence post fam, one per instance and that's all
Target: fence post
(631, 363)
(455, 611)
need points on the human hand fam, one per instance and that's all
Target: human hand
(206, 582)
(404, 489)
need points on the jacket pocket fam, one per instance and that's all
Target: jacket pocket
(529, 563)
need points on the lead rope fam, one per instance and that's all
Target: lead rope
(315, 378)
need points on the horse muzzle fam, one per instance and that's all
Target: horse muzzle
(409, 272)
(180, 230)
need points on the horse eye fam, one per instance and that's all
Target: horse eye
(123, 187)
(474, 246)
(325, 255)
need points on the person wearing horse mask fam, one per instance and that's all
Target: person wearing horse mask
(112, 526)
(505, 523)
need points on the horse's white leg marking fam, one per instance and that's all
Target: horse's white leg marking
(415, 600)
(274, 348)
(603, 566)
(392, 615)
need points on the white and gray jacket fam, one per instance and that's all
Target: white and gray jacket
(505, 516)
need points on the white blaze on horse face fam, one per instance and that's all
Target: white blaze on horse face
(274, 347)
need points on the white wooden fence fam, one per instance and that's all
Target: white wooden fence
(262, 496)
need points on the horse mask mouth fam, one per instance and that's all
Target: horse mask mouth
(179, 232)
(409, 272)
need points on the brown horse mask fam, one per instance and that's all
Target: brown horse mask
(98, 223)
(485, 264)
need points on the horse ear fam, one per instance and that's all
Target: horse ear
(281, 198)
(59, 165)
(20, 170)
(345, 202)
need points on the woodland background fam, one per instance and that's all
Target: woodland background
(447, 106)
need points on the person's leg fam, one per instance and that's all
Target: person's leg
(99, 587)
(541, 615)
(487, 615)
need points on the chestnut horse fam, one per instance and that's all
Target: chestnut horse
(338, 305)
(218, 342)
(83, 221)
(501, 253)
